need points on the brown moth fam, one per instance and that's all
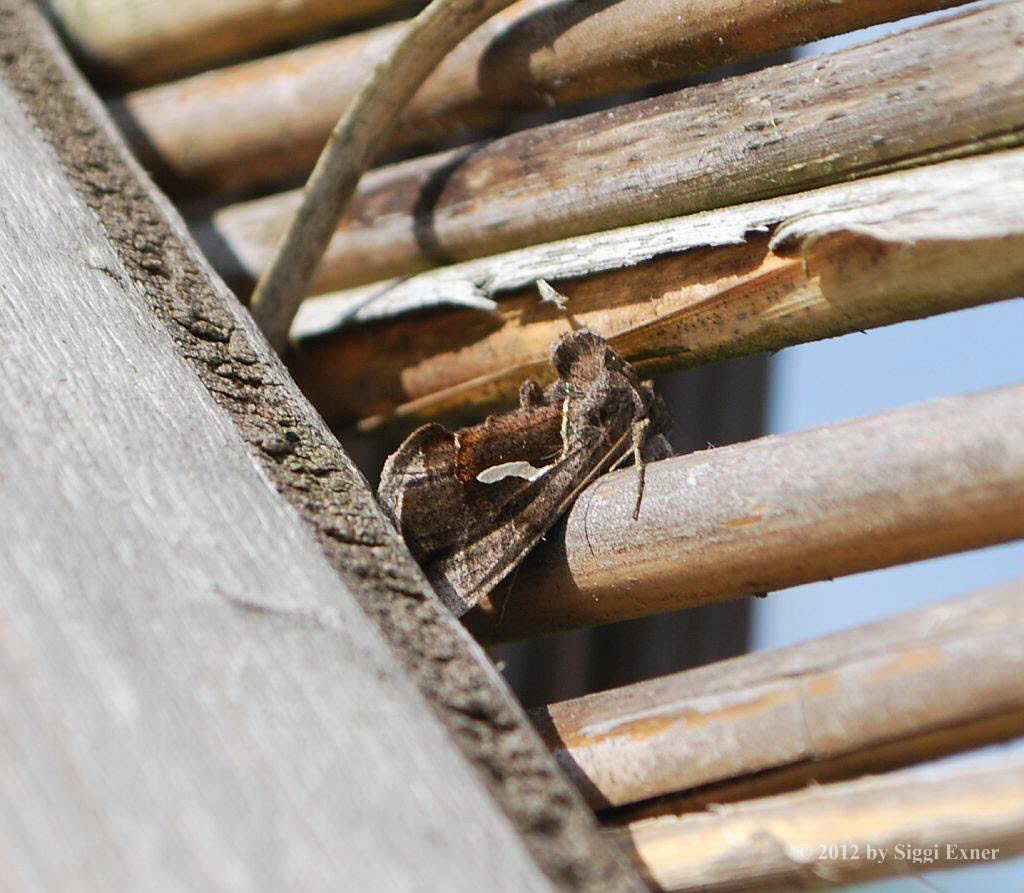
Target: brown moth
(472, 503)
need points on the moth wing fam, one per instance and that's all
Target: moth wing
(411, 466)
(466, 504)
(493, 548)
(439, 515)
(420, 491)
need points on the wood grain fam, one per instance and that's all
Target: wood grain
(191, 696)
(930, 479)
(266, 120)
(298, 462)
(950, 666)
(673, 294)
(946, 89)
(922, 818)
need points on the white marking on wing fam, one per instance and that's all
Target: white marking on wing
(520, 469)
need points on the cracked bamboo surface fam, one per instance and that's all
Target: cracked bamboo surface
(924, 683)
(914, 820)
(266, 120)
(674, 294)
(915, 748)
(938, 477)
(945, 89)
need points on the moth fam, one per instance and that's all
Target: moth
(473, 502)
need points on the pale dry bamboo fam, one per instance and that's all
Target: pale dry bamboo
(821, 707)
(946, 89)
(899, 753)
(141, 42)
(913, 820)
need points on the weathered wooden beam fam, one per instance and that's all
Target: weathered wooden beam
(926, 480)
(939, 674)
(266, 120)
(144, 42)
(946, 89)
(159, 601)
(674, 294)
(914, 820)
(199, 587)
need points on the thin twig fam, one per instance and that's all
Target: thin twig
(354, 142)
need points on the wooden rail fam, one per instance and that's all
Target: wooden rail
(161, 599)
(825, 706)
(930, 479)
(142, 42)
(939, 477)
(267, 120)
(673, 294)
(198, 585)
(913, 821)
(941, 90)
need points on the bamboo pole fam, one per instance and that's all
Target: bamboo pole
(926, 480)
(940, 675)
(946, 89)
(896, 754)
(141, 42)
(677, 293)
(265, 120)
(903, 823)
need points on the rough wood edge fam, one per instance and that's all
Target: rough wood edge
(190, 697)
(302, 459)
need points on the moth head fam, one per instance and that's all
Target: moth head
(585, 356)
(578, 353)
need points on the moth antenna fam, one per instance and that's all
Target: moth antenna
(639, 436)
(641, 479)
(620, 462)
